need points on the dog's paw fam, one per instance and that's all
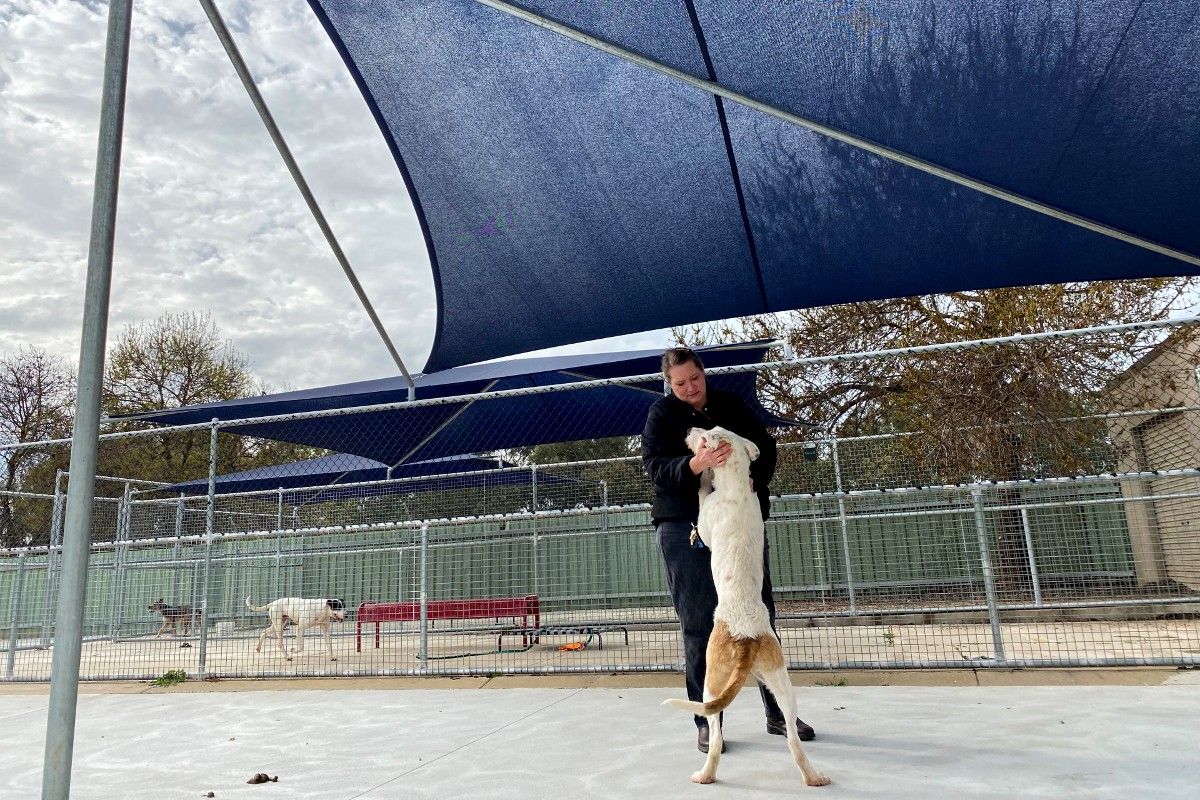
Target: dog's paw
(703, 777)
(817, 780)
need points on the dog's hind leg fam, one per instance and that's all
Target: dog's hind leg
(269, 630)
(780, 685)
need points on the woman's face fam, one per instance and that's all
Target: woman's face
(687, 383)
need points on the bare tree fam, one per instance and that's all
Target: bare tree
(36, 400)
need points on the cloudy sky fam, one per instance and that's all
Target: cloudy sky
(208, 218)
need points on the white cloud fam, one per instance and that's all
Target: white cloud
(208, 216)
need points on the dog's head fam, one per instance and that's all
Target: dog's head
(158, 605)
(743, 450)
(337, 609)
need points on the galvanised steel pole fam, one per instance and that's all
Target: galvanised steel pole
(210, 519)
(14, 607)
(837, 476)
(423, 653)
(989, 579)
(68, 640)
(56, 518)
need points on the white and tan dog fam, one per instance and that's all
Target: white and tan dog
(742, 644)
(303, 614)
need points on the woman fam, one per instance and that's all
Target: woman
(675, 473)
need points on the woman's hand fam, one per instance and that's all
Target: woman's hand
(707, 459)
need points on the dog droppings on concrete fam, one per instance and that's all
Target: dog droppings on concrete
(262, 777)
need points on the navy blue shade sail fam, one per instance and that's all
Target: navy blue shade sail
(328, 477)
(421, 433)
(567, 194)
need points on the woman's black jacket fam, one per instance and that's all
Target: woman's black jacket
(665, 456)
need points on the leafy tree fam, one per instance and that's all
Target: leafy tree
(624, 479)
(36, 396)
(172, 361)
(991, 412)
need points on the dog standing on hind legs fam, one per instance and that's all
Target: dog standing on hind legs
(742, 644)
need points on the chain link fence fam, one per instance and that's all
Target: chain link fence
(1035, 523)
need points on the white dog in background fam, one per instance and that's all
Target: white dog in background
(303, 614)
(742, 644)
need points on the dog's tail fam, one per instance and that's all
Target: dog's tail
(743, 661)
(256, 608)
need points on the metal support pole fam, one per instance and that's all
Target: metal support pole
(845, 525)
(209, 528)
(423, 653)
(175, 549)
(1033, 570)
(278, 544)
(989, 581)
(260, 105)
(120, 553)
(14, 606)
(534, 541)
(400, 597)
(604, 504)
(52, 557)
(68, 644)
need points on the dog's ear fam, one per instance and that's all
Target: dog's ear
(751, 449)
(695, 439)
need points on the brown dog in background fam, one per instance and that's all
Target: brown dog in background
(174, 617)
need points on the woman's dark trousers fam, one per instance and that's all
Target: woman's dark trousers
(694, 595)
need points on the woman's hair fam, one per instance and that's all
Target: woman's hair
(678, 356)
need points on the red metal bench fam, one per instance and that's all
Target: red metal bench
(526, 608)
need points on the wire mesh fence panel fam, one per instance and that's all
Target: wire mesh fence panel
(1010, 512)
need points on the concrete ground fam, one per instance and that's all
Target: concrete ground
(1058, 734)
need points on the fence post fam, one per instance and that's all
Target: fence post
(423, 653)
(533, 470)
(176, 548)
(209, 527)
(15, 607)
(604, 504)
(989, 583)
(119, 553)
(56, 518)
(278, 543)
(1033, 570)
(837, 477)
